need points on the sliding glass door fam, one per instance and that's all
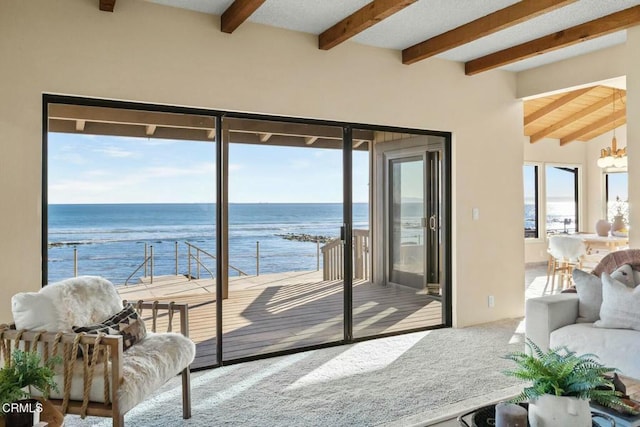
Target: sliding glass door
(280, 234)
(285, 249)
(410, 289)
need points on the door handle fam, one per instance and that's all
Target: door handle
(432, 222)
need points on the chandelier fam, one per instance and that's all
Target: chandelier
(613, 156)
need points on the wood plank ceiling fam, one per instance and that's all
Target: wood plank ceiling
(579, 115)
(378, 10)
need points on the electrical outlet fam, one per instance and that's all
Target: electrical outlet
(491, 302)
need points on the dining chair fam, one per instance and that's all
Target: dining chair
(565, 253)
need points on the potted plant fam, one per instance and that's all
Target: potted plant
(24, 371)
(563, 385)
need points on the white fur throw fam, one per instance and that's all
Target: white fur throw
(72, 302)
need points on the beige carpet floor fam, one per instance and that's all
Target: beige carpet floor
(411, 379)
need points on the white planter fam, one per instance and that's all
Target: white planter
(553, 411)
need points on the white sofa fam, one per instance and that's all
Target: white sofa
(568, 319)
(124, 378)
(551, 322)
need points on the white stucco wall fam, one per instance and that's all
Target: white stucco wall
(151, 53)
(573, 73)
(633, 133)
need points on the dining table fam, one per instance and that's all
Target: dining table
(610, 243)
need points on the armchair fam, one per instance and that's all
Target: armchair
(97, 376)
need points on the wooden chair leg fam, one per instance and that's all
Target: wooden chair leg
(550, 271)
(118, 420)
(186, 393)
(554, 270)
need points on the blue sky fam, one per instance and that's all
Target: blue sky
(104, 169)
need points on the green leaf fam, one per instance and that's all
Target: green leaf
(562, 372)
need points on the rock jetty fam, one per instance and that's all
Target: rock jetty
(303, 237)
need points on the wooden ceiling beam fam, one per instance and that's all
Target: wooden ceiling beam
(107, 5)
(499, 20)
(211, 134)
(237, 13)
(597, 28)
(80, 125)
(150, 130)
(358, 142)
(605, 102)
(359, 21)
(594, 126)
(264, 137)
(553, 106)
(309, 140)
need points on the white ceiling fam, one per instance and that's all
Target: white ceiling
(427, 18)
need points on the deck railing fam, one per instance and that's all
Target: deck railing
(332, 257)
(331, 253)
(199, 263)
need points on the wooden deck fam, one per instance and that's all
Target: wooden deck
(283, 311)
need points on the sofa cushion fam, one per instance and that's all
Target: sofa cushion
(126, 322)
(146, 366)
(589, 289)
(620, 305)
(615, 348)
(83, 300)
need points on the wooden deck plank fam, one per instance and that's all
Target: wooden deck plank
(284, 311)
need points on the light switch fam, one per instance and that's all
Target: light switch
(475, 214)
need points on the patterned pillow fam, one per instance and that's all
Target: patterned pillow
(126, 323)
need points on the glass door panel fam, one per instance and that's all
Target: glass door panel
(405, 290)
(406, 221)
(434, 228)
(285, 211)
(121, 206)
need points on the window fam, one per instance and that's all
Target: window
(561, 199)
(531, 210)
(617, 195)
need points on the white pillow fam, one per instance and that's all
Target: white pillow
(589, 290)
(33, 310)
(620, 305)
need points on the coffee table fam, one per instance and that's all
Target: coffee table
(632, 387)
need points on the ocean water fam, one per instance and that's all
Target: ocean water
(110, 238)
(560, 216)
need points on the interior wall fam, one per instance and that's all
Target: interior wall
(572, 73)
(633, 132)
(152, 53)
